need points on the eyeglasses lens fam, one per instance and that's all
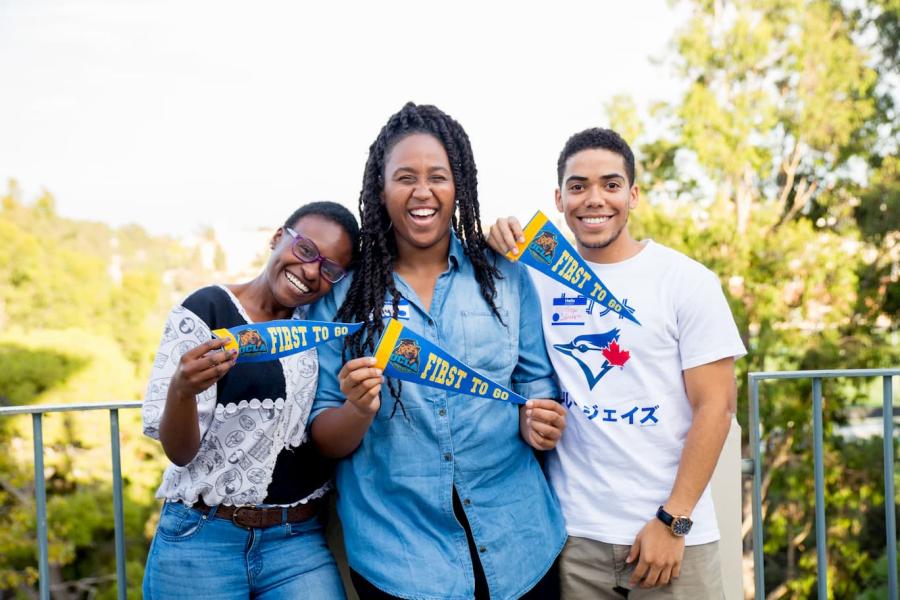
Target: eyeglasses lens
(305, 250)
(331, 271)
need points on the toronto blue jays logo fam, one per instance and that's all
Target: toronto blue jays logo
(405, 356)
(544, 246)
(588, 350)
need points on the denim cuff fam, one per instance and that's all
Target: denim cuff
(539, 388)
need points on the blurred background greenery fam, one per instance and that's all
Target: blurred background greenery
(778, 169)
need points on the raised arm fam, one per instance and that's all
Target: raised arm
(543, 419)
(338, 431)
(198, 369)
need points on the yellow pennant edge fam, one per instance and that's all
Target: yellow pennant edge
(531, 230)
(225, 334)
(388, 343)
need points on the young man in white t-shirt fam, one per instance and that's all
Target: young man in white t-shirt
(650, 404)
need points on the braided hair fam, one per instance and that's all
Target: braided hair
(374, 278)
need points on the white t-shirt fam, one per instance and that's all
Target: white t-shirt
(628, 410)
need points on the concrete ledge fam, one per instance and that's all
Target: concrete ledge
(727, 496)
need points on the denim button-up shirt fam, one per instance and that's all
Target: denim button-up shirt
(395, 492)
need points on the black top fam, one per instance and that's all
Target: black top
(298, 471)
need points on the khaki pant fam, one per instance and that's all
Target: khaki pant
(592, 570)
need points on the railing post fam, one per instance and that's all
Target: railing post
(821, 556)
(890, 526)
(118, 511)
(756, 449)
(40, 496)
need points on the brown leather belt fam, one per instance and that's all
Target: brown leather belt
(251, 517)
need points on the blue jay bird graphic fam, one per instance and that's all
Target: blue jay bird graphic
(587, 350)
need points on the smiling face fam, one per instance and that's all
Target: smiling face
(596, 198)
(294, 283)
(419, 193)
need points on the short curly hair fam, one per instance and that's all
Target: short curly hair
(334, 212)
(596, 137)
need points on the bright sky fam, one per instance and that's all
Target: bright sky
(182, 114)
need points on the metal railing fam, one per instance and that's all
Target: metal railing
(40, 490)
(754, 380)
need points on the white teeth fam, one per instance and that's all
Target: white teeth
(422, 212)
(595, 220)
(297, 283)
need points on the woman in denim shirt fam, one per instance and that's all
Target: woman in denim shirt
(440, 493)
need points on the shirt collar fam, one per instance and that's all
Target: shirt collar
(456, 250)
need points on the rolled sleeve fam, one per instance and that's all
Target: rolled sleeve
(533, 376)
(328, 392)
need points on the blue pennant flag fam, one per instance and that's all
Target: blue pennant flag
(258, 342)
(545, 249)
(405, 355)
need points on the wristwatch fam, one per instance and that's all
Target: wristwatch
(679, 525)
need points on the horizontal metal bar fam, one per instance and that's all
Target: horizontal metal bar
(758, 376)
(47, 408)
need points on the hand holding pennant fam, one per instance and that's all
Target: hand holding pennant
(546, 250)
(405, 355)
(258, 342)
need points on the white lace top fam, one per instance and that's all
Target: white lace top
(246, 419)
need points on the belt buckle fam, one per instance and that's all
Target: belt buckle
(234, 516)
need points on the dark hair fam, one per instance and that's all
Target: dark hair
(374, 279)
(334, 212)
(596, 137)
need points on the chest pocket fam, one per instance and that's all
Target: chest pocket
(489, 344)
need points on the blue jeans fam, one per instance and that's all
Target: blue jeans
(198, 556)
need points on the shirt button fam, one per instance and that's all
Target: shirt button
(482, 549)
(467, 502)
(448, 456)
(442, 412)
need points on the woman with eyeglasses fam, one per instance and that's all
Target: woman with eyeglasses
(242, 493)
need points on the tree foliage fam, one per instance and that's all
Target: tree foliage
(81, 306)
(777, 167)
(773, 169)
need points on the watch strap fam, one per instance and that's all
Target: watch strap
(665, 517)
(679, 525)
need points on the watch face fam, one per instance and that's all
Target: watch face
(681, 526)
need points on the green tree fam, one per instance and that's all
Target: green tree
(758, 171)
(81, 309)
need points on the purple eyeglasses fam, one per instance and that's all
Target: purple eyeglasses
(306, 251)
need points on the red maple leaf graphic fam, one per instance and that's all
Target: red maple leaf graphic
(615, 355)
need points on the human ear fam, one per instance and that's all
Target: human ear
(276, 238)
